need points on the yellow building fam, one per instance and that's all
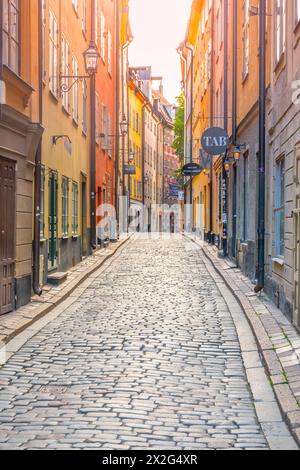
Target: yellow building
(65, 203)
(196, 60)
(136, 105)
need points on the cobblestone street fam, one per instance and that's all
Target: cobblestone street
(144, 355)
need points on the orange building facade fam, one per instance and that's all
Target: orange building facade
(105, 103)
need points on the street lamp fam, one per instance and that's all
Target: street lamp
(91, 59)
(236, 154)
(227, 165)
(124, 126)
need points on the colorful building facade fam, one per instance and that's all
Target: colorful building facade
(65, 203)
(20, 134)
(221, 75)
(137, 101)
(105, 106)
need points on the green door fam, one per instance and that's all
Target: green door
(52, 251)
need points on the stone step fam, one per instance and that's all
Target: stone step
(56, 279)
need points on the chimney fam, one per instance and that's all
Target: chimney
(161, 88)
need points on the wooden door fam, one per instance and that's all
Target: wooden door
(53, 222)
(7, 235)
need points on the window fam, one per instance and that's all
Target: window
(103, 35)
(75, 89)
(245, 197)
(42, 204)
(75, 5)
(53, 56)
(297, 11)
(109, 52)
(109, 134)
(109, 190)
(65, 206)
(219, 28)
(280, 28)
(246, 39)
(65, 72)
(97, 137)
(96, 22)
(279, 207)
(44, 38)
(74, 209)
(10, 34)
(104, 129)
(84, 17)
(84, 106)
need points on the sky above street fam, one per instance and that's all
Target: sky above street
(158, 28)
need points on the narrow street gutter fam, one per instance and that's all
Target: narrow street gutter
(288, 403)
(41, 310)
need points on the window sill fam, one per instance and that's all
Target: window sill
(280, 65)
(65, 237)
(279, 261)
(53, 96)
(75, 237)
(296, 34)
(66, 111)
(20, 86)
(245, 77)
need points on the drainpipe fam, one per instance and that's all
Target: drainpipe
(225, 176)
(210, 236)
(164, 136)
(38, 165)
(262, 147)
(191, 116)
(191, 130)
(117, 111)
(143, 154)
(234, 125)
(128, 141)
(234, 74)
(2, 85)
(93, 138)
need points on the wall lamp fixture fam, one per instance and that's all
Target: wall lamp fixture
(91, 60)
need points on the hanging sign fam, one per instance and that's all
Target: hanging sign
(129, 170)
(192, 169)
(215, 141)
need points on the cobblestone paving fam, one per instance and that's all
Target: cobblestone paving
(148, 358)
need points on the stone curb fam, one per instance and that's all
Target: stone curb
(43, 310)
(287, 402)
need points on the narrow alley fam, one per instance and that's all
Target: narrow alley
(151, 354)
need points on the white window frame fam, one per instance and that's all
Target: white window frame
(279, 207)
(103, 36)
(75, 110)
(53, 55)
(297, 11)
(65, 206)
(84, 106)
(109, 52)
(246, 38)
(280, 29)
(75, 218)
(65, 54)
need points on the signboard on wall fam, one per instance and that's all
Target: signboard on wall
(215, 141)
